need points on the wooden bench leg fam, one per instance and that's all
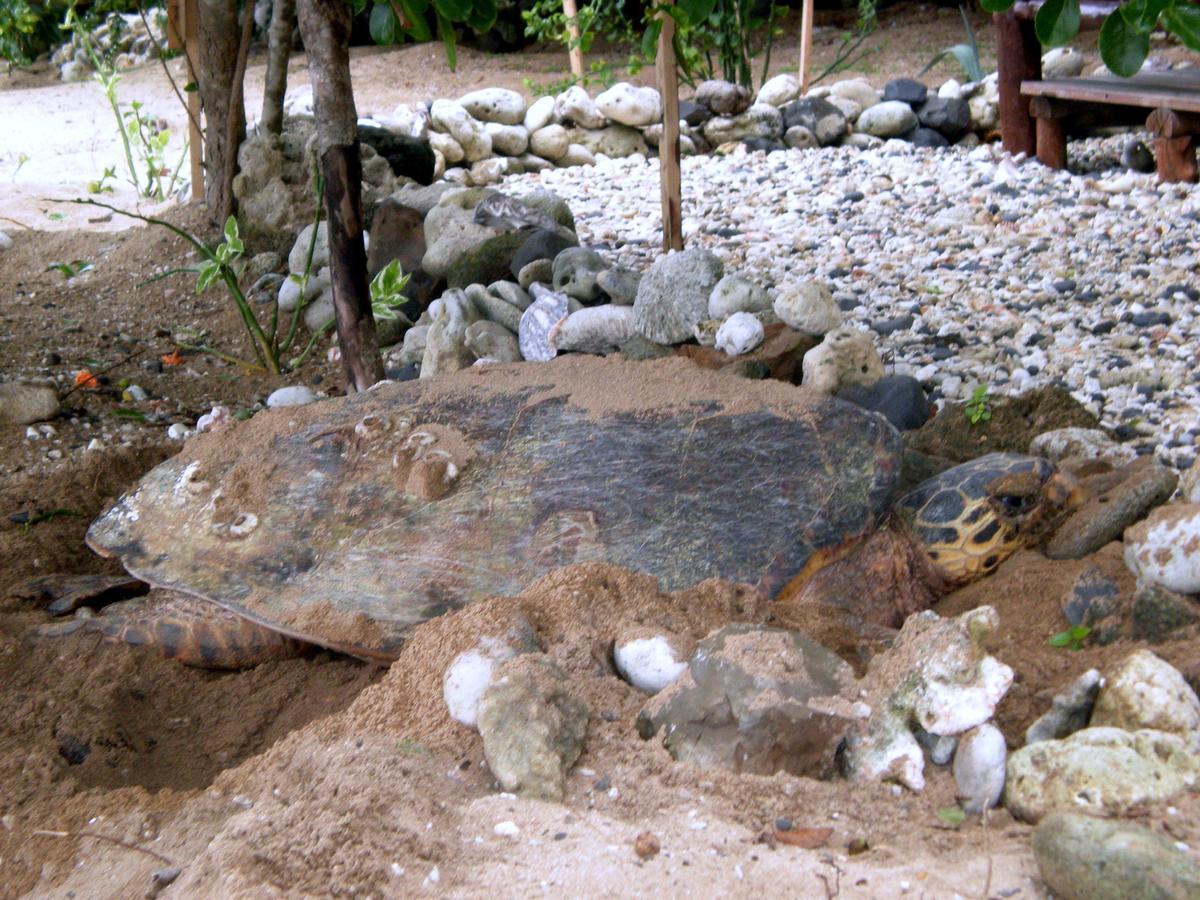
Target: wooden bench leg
(1051, 133)
(1174, 144)
(1018, 58)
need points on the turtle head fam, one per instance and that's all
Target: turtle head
(971, 518)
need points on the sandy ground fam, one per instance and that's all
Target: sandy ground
(328, 776)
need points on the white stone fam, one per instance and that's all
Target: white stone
(856, 89)
(5, 241)
(451, 150)
(1189, 485)
(455, 121)
(848, 106)
(540, 114)
(740, 333)
(511, 140)
(780, 90)
(649, 664)
(1088, 443)
(1062, 62)
(216, 419)
(630, 105)
(1164, 548)
(733, 294)
(984, 113)
(506, 829)
(495, 105)
(319, 313)
(178, 431)
(289, 291)
(1145, 691)
(299, 251)
(576, 155)
(950, 90)
(469, 675)
(979, 767)
(888, 119)
(292, 395)
(575, 104)
(410, 121)
(551, 142)
(808, 307)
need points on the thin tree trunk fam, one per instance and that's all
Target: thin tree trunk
(325, 28)
(279, 46)
(236, 122)
(220, 98)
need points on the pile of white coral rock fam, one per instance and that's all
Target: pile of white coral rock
(123, 37)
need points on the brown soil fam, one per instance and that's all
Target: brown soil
(325, 775)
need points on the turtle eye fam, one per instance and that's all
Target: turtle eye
(1015, 503)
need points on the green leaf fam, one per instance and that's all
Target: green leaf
(695, 11)
(446, 32)
(383, 25)
(208, 273)
(650, 39)
(414, 13)
(1143, 14)
(357, 6)
(952, 816)
(1056, 22)
(483, 15)
(232, 235)
(135, 414)
(453, 10)
(191, 87)
(966, 58)
(1183, 21)
(1123, 47)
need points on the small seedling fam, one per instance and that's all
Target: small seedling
(1072, 638)
(135, 415)
(56, 216)
(978, 409)
(387, 291)
(952, 816)
(71, 269)
(101, 185)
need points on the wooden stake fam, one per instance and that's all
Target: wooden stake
(806, 28)
(571, 11)
(191, 46)
(1018, 58)
(668, 147)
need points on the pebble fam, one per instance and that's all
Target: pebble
(982, 273)
(979, 768)
(292, 395)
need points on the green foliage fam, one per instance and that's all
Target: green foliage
(1125, 34)
(978, 408)
(717, 39)
(1072, 638)
(967, 55)
(223, 257)
(71, 269)
(387, 291)
(952, 816)
(31, 27)
(391, 19)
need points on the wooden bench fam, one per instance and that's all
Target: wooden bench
(1174, 121)
(1019, 59)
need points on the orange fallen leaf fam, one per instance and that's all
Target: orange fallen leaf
(806, 838)
(85, 379)
(174, 358)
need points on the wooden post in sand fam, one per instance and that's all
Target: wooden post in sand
(668, 146)
(183, 33)
(806, 28)
(571, 11)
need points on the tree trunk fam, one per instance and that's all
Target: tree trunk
(279, 46)
(325, 28)
(219, 96)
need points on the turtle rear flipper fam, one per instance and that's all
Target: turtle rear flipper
(194, 632)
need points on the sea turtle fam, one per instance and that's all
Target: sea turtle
(347, 522)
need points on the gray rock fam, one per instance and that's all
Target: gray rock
(299, 251)
(490, 340)
(412, 351)
(756, 700)
(673, 295)
(505, 213)
(780, 90)
(615, 141)
(24, 404)
(1102, 771)
(620, 284)
(550, 142)
(759, 121)
(888, 119)
(739, 334)
(1084, 443)
(979, 764)
(319, 313)
(724, 98)
(1165, 548)
(808, 307)
(537, 271)
(552, 205)
(1144, 691)
(950, 117)
(637, 349)
(925, 137)
(1137, 156)
(423, 198)
(540, 114)
(856, 89)
(495, 105)
(493, 308)
(1105, 517)
(577, 155)
(1160, 615)
(1092, 598)
(598, 329)
(540, 244)
(510, 293)
(827, 123)
(1084, 858)
(1069, 710)
(575, 271)
(800, 138)
(1062, 62)
(733, 294)
(846, 356)
(532, 727)
(446, 341)
(905, 90)
(540, 322)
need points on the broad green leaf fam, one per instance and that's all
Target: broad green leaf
(446, 32)
(650, 39)
(1057, 22)
(454, 10)
(414, 13)
(208, 273)
(996, 6)
(357, 6)
(483, 15)
(966, 58)
(383, 25)
(1183, 21)
(1123, 47)
(695, 11)
(1143, 14)
(231, 233)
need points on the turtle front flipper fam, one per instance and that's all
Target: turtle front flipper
(191, 631)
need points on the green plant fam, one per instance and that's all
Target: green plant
(977, 408)
(1125, 34)
(27, 29)
(1072, 638)
(716, 38)
(952, 816)
(387, 290)
(71, 269)
(392, 19)
(101, 185)
(966, 54)
(850, 51)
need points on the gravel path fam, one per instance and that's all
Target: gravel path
(971, 269)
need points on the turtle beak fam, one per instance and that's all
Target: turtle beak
(1064, 491)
